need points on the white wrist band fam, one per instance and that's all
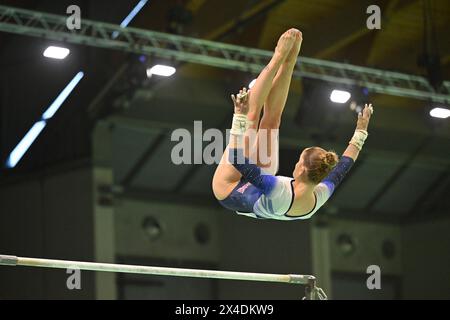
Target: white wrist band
(240, 124)
(359, 138)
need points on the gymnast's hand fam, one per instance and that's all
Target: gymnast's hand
(364, 117)
(241, 105)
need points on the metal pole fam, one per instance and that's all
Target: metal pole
(162, 271)
(216, 54)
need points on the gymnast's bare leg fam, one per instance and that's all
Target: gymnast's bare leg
(273, 109)
(226, 176)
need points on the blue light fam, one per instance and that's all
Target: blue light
(142, 59)
(130, 16)
(133, 13)
(62, 96)
(25, 143)
(37, 128)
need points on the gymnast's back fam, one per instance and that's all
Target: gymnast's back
(249, 200)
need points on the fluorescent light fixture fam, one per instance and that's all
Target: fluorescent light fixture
(62, 96)
(130, 16)
(37, 128)
(161, 70)
(339, 96)
(440, 113)
(251, 84)
(25, 143)
(56, 52)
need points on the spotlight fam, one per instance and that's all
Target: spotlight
(441, 113)
(339, 96)
(161, 70)
(323, 104)
(56, 53)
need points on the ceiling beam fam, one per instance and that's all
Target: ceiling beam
(228, 28)
(210, 53)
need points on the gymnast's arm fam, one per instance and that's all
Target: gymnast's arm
(335, 177)
(250, 172)
(355, 146)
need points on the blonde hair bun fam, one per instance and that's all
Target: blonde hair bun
(331, 159)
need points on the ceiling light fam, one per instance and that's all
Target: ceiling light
(161, 70)
(56, 53)
(339, 96)
(440, 113)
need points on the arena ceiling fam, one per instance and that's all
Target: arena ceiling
(403, 174)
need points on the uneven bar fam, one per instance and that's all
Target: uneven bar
(161, 271)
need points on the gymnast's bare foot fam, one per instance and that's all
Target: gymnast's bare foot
(286, 42)
(293, 54)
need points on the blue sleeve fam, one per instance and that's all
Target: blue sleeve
(251, 172)
(338, 173)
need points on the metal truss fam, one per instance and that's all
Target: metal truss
(186, 49)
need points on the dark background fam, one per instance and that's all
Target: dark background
(93, 183)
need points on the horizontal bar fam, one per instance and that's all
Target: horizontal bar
(8, 260)
(158, 271)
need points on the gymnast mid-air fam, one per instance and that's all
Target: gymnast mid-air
(244, 183)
